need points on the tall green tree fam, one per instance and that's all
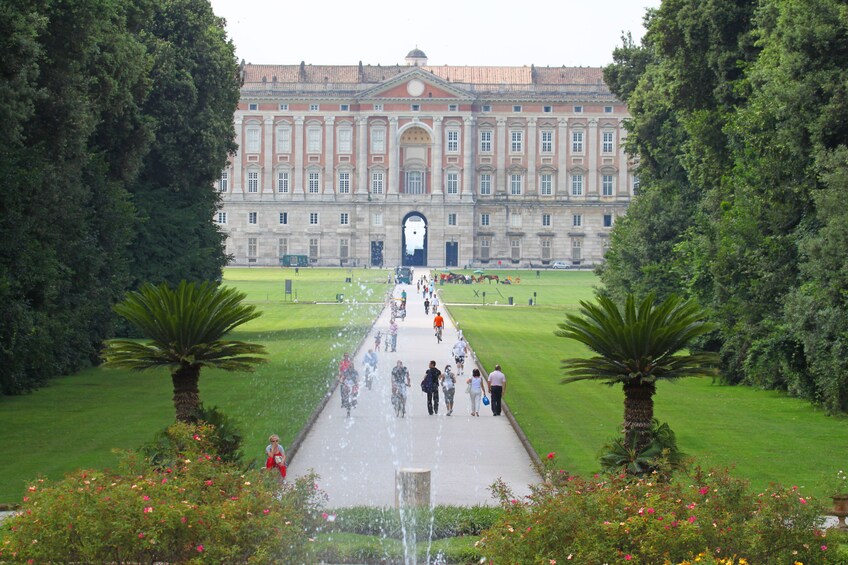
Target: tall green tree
(186, 327)
(637, 346)
(191, 105)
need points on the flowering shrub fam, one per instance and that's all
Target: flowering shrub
(704, 517)
(836, 484)
(199, 510)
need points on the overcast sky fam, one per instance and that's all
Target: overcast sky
(450, 32)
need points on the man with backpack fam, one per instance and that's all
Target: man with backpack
(430, 385)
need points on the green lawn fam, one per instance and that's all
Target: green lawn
(77, 420)
(765, 435)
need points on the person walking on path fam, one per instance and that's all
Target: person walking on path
(497, 386)
(460, 350)
(430, 385)
(436, 302)
(393, 330)
(276, 455)
(448, 388)
(400, 386)
(426, 306)
(476, 389)
(439, 326)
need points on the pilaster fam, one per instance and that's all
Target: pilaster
(268, 165)
(438, 156)
(531, 157)
(237, 169)
(501, 165)
(362, 156)
(329, 156)
(297, 185)
(470, 134)
(392, 183)
(563, 149)
(592, 151)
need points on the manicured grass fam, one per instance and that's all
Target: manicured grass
(765, 435)
(78, 420)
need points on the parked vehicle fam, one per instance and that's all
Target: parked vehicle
(560, 265)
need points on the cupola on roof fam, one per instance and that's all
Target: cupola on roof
(416, 57)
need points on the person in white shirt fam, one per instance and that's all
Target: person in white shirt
(497, 386)
(460, 350)
(448, 388)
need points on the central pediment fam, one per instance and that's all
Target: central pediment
(416, 84)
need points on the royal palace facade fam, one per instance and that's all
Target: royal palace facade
(424, 165)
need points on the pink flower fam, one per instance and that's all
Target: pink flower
(704, 490)
(266, 511)
(197, 437)
(209, 483)
(551, 455)
(183, 519)
(140, 536)
(200, 548)
(824, 548)
(164, 480)
(145, 497)
(148, 509)
(802, 500)
(651, 510)
(628, 557)
(324, 515)
(692, 519)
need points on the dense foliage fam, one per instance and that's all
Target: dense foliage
(201, 510)
(96, 97)
(704, 517)
(738, 120)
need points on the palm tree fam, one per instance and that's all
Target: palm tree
(637, 347)
(186, 326)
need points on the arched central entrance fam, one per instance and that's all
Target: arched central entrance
(414, 240)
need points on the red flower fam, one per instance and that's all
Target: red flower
(551, 455)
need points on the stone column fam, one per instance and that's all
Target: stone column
(297, 184)
(622, 190)
(329, 156)
(531, 157)
(362, 156)
(268, 166)
(469, 134)
(393, 152)
(592, 150)
(502, 165)
(438, 156)
(237, 170)
(412, 488)
(563, 150)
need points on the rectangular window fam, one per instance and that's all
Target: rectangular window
(515, 220)
(547, 109)
(607, 220)
(547, 141)
(577, 142)
(452, 107)
(344, 183)
(314, 182)
(313, 140)
(251, 218)
(284, 107)
(515, 249)
(252, 140)
(313, 249)
(577, 185)
(451, 219)
(607, 142)
(578, 109)
(576, 251)
(516, 108)
(515, 184)
(378, 219)
(453, 141)
(486, 108)
(453, 183)
(344, 248)
(313, 218)
(251, 248)
(378, 140)
(414, 182)
(221, 218)
(484, 249)
(253, 181)
(283, 181)
(637, 184)
(314, 107)
(284, 218)
(345, 140)
(377, 182)
(253, 107)
(577, 220)
(283, 246)
(485, 142)
(606, 185)
(546, 220)
(378, 107)
(284, 140)
(344, 219)
(546, 183)
(516, 141)
(546, 249)
(484, 219)
(607, 109)
(224, 183)
(485, 184)
(415, 107)
(344, 107)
